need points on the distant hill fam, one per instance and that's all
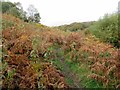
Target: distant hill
(76, 26)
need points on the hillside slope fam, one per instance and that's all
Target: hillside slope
(36, 56)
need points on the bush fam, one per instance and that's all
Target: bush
(106, 29)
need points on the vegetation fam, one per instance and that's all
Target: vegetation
(37, 56)
(33, 14)
(75, 26)
(16, 10)
(107, 29)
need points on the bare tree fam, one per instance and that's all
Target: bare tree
(33, 14)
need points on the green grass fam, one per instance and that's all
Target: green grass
(62, 68)
(81, 70)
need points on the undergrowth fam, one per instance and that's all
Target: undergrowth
(41, 57)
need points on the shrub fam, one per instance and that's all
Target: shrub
(106, 29)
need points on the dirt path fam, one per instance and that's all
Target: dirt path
(67, 72)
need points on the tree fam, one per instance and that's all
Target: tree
(33, 14)
(37, 17)
(21, 11)
(6, 6)
(14, 9)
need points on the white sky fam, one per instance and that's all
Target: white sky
(59, 12)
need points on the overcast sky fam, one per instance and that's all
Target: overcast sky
(59, 12)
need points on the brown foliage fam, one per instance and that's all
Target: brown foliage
(17, 42)
(25, 76)
(17, 45)
(53, 78)
(103, 66)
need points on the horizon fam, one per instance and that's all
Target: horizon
(61, 12)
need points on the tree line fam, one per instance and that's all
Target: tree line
(16, 9)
